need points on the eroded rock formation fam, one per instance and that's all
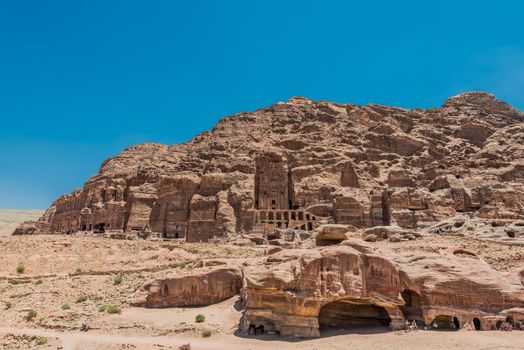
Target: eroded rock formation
(202, 287)
(301, 162)
(299, 292)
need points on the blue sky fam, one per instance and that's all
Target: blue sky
(82, 80)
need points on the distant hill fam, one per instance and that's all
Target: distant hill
(11, 218)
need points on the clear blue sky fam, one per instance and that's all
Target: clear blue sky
(82, 80)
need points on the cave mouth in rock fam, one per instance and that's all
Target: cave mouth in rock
(411, 310)
(346, 315)
(446, 322)
(100, 228)
(476, 323)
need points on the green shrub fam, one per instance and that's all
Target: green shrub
(102, 308)
(78, 270)
(20, 268)
(38, 282)
(31, 314)
(206, 333)
(41, 341)
(200, 318)
(186, 265)
(7, 305)
(81, 299)
(112, 309)
(118, 280)
(65, 307)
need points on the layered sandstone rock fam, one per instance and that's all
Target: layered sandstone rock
(329, 234)
(202, 287)
(298, 292)
(302, 163)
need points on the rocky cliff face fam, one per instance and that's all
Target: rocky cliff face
(299, 163)
(299, 291)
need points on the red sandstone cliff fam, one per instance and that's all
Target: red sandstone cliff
(297, 162)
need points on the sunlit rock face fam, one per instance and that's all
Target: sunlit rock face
(299, 162)
(202, 287)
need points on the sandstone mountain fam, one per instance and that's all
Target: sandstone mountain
(299, 163)
(350, 216)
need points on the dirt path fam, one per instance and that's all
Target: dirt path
(391, 340)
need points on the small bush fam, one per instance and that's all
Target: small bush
(81, 299)
(78, 270)
(206, 333)
(118, 280)
(65, 307)
(38, 282)
(112, 309)
(102, 308)
(41, 341)
(186, 265)
(200, 318)
(20, 268)
(14, 282)
(185, 346)
(31, 314)
(7, 305)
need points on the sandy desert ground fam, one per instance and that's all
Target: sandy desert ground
(66, 280)
(11, 218)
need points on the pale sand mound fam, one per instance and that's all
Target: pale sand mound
(11, 218)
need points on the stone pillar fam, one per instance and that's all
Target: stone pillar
(397, 318)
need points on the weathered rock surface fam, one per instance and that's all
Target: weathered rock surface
(299, 162)
(297, 292)
(202, 287)
(332, 233)
(390, 233)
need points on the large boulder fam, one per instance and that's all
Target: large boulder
(202, 287)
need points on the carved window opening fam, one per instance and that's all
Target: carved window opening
(477, 324)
